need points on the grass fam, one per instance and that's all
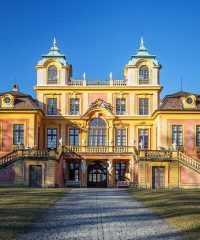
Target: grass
(179, 208)
(21, 207)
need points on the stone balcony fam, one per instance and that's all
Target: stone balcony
(99, 150)
(111, 82)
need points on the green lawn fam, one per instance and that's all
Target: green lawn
(21, 207)
(179, 208)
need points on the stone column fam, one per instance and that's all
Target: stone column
(110, 173)
(83, 173)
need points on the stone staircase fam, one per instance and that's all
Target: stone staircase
(12, 157)
(8, 159)
(189, 161)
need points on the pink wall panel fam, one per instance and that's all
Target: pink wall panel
(94, 96)
(7, 132)
(188, 134)
(188, 176)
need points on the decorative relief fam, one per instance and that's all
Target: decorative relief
(77, 124)
(142, 122)
(121, 124)
(99, 103)
(121, 94)
(75, 94)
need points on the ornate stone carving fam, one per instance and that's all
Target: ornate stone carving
(121, 124)
(99, 103)
(110, 165)
(74, 94)
(83, 165)
(121, 94)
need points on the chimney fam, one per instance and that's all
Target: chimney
(15, 88)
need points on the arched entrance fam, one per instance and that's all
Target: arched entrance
(97, 175)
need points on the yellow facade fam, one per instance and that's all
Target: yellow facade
(107, 134)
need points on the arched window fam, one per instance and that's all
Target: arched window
(143, 75)
(52, 74)
(97, 132)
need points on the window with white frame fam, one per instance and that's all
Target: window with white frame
(143, 106)
(177, 135)
(198, 135)
(143, 138)
(74, 137)
(143, 75)
(52, 106)
(120, 137)
(74, 106)
(120, 106)
(52, 75)
(18, 134)
(51, 138)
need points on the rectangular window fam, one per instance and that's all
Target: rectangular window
(52, 106)
(120, 106)
(177, 135)
(18, 134)
(143, 138)
(74, 137)
(120, 171)
(120, 137)
(51, 138)
(198, 135)
(143, 106)
(73, 172)
(74, 106)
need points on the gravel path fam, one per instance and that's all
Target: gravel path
(99, 214)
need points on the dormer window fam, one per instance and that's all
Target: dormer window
(7, 100)
(143, 75)
(189, 100)
(52, 75)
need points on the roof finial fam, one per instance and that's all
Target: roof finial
(142, 43)
(54, 47)
(181, 84)
(54, 41)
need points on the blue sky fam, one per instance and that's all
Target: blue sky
(99, 36)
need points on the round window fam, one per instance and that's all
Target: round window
(7, 100)
(189, 100)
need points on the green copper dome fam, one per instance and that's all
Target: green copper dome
(141, 54)
(54, 53)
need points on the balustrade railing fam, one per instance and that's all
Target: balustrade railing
(155, 154)
(8, 157)
(76, 82)
(84, 82)
(144, 81)
(35, 153)
(101, 149)
(121, 82)
(24, 153)
(189, 161)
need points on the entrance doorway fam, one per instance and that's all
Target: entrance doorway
(35, 176)
(97, 175)
(158, 177)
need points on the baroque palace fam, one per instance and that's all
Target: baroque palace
(112, 133)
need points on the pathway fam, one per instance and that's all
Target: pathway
(100, 214)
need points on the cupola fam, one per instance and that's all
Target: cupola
(53, 68)
(143, 68)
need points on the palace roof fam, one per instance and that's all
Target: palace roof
(174, 101)
(22, 101)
